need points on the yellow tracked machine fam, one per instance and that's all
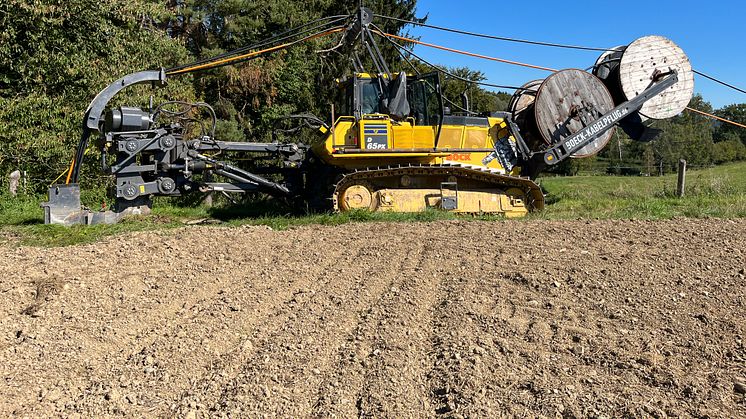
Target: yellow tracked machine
(391, 143)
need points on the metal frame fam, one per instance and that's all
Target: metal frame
(599, 126)
(92, 118)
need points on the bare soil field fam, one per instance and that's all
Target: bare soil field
(456, 318)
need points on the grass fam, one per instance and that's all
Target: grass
(715, 192)
(719, 191)
(22, 220)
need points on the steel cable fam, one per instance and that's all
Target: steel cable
(499, 38)
(275, 39)
(221, 60)
(245, 57)
(410, 52)
(525, 41)
(471, 54)
(719, 81)
(715, 117)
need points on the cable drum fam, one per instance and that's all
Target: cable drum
(521, 108)
(524, 97)
(627, 71)
(565, 102)
(606, 68)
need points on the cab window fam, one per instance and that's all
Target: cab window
(370, 102)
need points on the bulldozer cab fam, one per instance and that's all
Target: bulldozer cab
(402, 98)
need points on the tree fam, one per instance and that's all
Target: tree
(725, 131)
(249, 97)
(480, 99)
(55, 56)
(687, 136)
(729, 148)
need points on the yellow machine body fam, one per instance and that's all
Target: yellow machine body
(416, 162)
(349, 143)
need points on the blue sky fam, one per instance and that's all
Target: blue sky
(710, 32)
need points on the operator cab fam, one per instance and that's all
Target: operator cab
(403, 112)
(404, 98)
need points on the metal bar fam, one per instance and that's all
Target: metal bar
(357, 63)
(247, 147)
(122, 169)
(373, 57)
(413, 150)
(585, 136)
(379, 55)
(441, 108)
(522, 146)
(231, 176)
(241, 175)
(231, 187)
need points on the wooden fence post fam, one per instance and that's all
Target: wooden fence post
(682, 178)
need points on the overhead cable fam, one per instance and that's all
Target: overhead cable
(253, 54)
(727, 121)
(471, 54)
(719, 81)
(499, 38)
(281, 37)
(410, 52)
(525, 41)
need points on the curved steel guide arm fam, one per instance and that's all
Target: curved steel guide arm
(95, 111)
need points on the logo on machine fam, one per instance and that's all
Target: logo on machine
(376, 129)
(376, 137)
(460, 156)
(592, 130)
(376, 143)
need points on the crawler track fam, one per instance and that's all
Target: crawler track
(478, 175)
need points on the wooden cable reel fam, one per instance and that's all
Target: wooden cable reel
(521, 109)
(627, 71)
(551, 110)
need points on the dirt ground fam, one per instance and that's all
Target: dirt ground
(458, 318)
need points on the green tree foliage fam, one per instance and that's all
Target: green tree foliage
(726, 132)
(480, 99)
(250, 97)
(687, 136)
(730, 148)
(55, 56)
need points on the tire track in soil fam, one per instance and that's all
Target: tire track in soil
(443, 397)
(293, 356)
(125, 327)
(377, 370)
(457, 347)
(138, 364)
(238, 323)
(282, 304)
(471, 349)
(641, 318)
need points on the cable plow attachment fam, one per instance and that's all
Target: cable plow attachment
(172, 160)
